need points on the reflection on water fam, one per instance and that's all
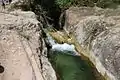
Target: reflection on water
(70, 67)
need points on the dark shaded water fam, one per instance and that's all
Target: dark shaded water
(69, 67)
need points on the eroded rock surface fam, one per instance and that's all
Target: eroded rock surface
(22, 47)
(98, 31)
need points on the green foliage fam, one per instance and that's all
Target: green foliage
(107, 3)
(88, 3)
(64, 3)
(99, 3)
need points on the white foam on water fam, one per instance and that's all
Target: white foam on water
(62, 47)
(50, 40)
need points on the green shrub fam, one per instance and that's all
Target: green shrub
(64, 3)
(88, 3)
(107, 3)
(99, 3)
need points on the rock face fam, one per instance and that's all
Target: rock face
(98, 32)
(22, 48)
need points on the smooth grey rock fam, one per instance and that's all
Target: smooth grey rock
(97, 30)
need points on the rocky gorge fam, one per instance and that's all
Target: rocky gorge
(84, 45)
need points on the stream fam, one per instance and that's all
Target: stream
(68, 64)
(66, 61)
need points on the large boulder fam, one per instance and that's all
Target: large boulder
(22, 48)
(98, 33)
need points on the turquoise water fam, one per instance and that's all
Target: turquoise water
(69, 67)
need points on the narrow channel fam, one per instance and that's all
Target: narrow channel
(65, 59)
(68, 64)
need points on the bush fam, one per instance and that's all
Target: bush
(64, 3)
(88, 3)
(107, 3)
(99, 3)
